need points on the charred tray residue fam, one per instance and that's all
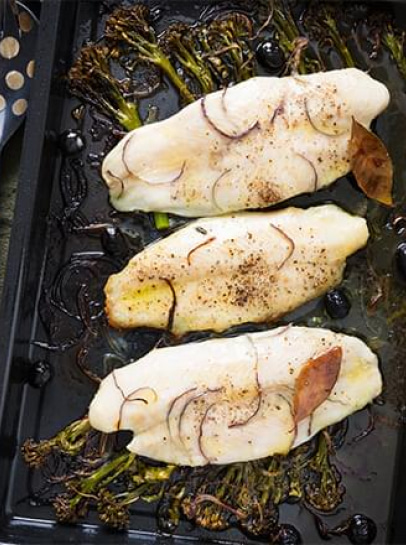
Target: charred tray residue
(134, 64)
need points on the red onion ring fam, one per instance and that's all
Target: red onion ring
(314, 126)
(316, 176)
(290, 243)
(171, 313)
(193, 250)
(258, 388)
(220, 131)
(169, 182)
(214, 188)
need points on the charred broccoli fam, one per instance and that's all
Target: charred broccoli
(324, 491)
(129, 28)
(179, 42)
(73, 504)
(91, 80)
(70, 440)
(230, 40)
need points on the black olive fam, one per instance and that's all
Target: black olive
(287, 535)
(114, 242)
(337, 304)
(401, 259)
(39, 374)
(361, 530)
(270, 55)
(71, 142)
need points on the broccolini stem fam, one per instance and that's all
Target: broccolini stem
(395, 46)
(161, 220)
(73, 438)
(128, 115)
(103, 476)
(151, 52)
(339, 42)
(196, 67)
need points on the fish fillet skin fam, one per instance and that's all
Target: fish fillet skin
(249, 267)
(255, 144)
(231, 400)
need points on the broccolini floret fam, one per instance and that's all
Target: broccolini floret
(129, 27)
(91, 80)
(180, 43)
(71, 440)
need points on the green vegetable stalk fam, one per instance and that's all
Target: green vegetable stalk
(395, 43)
(161, 220)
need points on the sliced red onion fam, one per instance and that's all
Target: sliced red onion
(212, 499)
(171, 313)
(220, 131)
(282, 331)
(119, 180)
(314, 126)
(168, 182)
(223, 101)
(193, 250)
(128, 398)
(279, 110)
(258, 397)
(187, 404)
(123, 154)
(315, 174)
(172, 407)
(200, 436)
(130, 173)
(290, 243)
(214, 188)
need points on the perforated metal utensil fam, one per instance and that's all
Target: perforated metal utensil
(18, 34)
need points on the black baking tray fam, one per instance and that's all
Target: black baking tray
(39, 248)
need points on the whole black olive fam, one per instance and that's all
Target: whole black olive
(287, 535)
(39, 374)
(361, 530)
(337, 304)
(71, 142)
(270, 55)
(114, 242)
(401, 259)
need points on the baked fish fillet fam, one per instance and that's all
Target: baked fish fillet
(237, 399)
(249, 267)
(253, 145)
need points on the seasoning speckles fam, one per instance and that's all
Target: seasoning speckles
(19, 107)
(14, 80)
(9, 47)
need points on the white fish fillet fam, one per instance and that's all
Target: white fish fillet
(219, 272)
(228, 400)
(260, 142)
